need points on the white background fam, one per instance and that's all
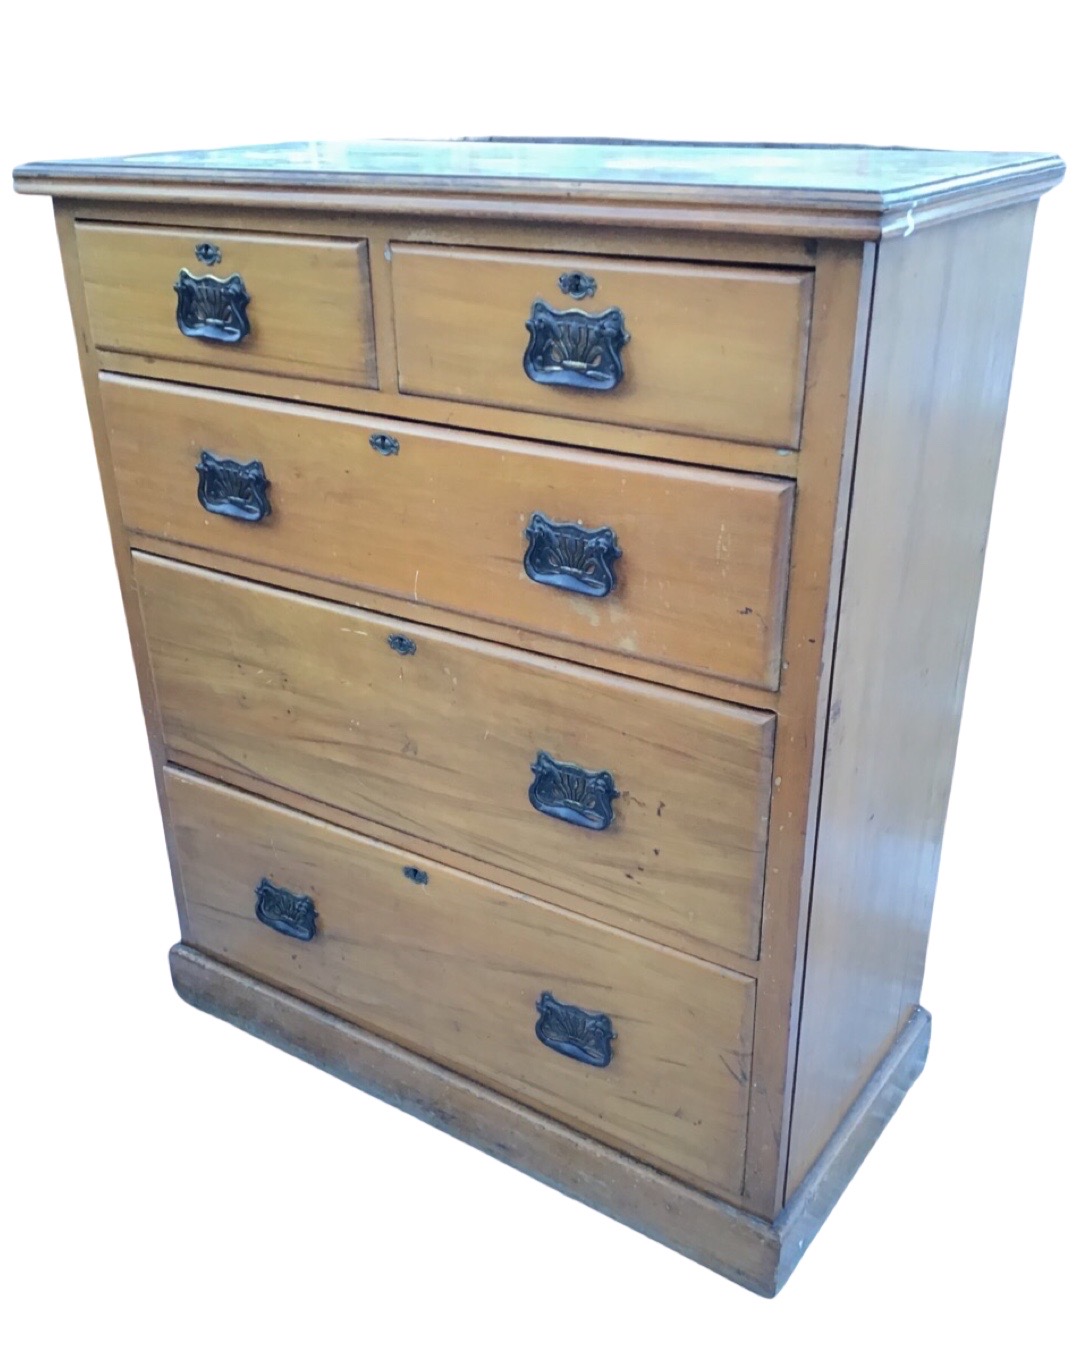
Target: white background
(169, 1181)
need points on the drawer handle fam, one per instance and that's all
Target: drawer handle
(577, 285)
(229, 488)
(571, 1031)
(570, 557)
(285, 911)
(571, 793)
(209, 254)
(207, 307)
(570, 347)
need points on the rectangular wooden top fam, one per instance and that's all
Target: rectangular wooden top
(830, 190)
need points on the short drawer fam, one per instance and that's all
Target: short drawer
(276, 304)
(639, 1046)
(684, 567)
(716, 351)
(639, 805)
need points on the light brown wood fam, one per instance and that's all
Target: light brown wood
(842, 291)
(538, 889)
(667, 446)
(701, 582)
(756, 1254)
(816, 192)
(523, 233)
(310, 310)
(753, 847)
(440, 745)
(932, 421)
(712, 350)
(452, 968)
(697, 682)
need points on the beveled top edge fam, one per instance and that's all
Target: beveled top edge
(875, 172)
(855, 189)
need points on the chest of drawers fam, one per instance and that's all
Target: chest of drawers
(550, 571)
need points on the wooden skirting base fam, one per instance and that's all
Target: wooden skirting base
(756, 1254)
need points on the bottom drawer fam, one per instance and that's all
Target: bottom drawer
(486, 981)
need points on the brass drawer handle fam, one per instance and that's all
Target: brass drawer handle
(207, 307)
(229, 488)
(572, 348)
(570, 557)
(285, 911)
(571, 793)
(574, 1032)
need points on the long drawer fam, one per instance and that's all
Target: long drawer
(685, 567)
(646, 1049)
(716, 351)
(276, 304)
(643, 806)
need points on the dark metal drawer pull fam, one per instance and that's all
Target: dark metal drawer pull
(571, 793)
(571, 1031)
(384, 445)
(577, 285)
(285, 911)
(209, 254)
(207, 307)
(229, 488)
(404, 646)
(571, 557)
(416, 874)
(570, 347)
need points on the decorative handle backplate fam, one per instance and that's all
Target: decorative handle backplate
(570, 347)
(207, 307)
(581, 1035)
(570, 557)
(229, 488)
(285, 911)
(571, 793)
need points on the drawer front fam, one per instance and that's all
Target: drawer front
(454, 969)
(716, 351)
(687, 567)
(307, 312)
(640, 805)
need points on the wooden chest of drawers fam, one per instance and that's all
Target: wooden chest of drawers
(550, 571)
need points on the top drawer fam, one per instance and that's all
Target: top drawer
(276, 304)
(714, 351)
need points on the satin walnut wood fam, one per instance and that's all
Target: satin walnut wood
(453, 969)
(439, 745)
(700, 585)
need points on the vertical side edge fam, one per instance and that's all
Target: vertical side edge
(946, 313)
(842, 286)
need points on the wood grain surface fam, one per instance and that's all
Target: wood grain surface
(310, 310)
(716, 351)
(946, 313)
(439, 745)
(700, 585)
(452, 968)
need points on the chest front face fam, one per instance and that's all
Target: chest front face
(484, 570)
